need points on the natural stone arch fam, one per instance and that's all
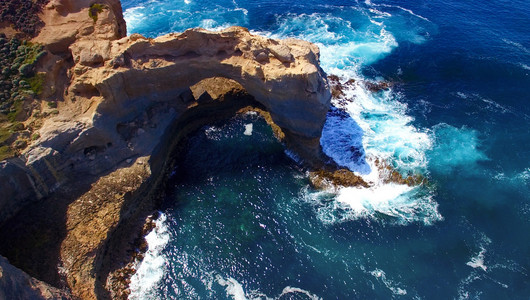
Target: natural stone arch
(284, 76)
(118, 81)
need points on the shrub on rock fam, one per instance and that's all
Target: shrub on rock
(26, 70)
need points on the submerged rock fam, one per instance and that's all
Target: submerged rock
(377, 86)
(322, 179)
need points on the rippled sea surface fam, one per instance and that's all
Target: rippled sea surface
(241, 221)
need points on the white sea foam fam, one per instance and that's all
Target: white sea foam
(401, 204)
(294, 290)
(248, 129)
(380, 14)
(519, 180)
(490, 104)
(378, 123)
(134, 16)
(393, 200)
(495, 106)
(364, 201)
(235, 290)
(482, 272)
(462, 95)
(367, 128)
(516, 45)
(478, 260)
(155, 18)
(463, 292)
(370, 128)
(151, 269)
(388, 133)
(391, 285)
(237, 8)
(341, 59)
(342, 47)
(401, 8)
(213, 25)
(213, 132)
(525, 175)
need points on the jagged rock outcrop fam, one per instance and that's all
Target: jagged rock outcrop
(123, 105)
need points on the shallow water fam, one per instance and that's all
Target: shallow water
(241, 221)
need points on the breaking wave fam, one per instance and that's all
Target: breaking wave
(150, 270)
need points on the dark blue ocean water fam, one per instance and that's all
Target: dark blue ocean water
(241, 221)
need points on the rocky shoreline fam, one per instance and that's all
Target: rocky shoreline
(77, 197)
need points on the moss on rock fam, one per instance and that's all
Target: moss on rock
(36, 83)
(6, 152)
(94, 10)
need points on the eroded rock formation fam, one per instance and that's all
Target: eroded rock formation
(124, 104)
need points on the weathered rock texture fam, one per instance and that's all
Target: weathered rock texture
(124, 105)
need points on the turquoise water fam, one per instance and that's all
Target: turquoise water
(241, 221)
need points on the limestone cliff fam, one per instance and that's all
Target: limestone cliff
(124, 103)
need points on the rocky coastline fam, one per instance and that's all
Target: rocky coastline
(75, 199)
(89, 142)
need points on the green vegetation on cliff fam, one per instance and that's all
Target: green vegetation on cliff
(94, 10)
(19, 85)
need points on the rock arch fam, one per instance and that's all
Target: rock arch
(96, 163)
(284, 76)
(142, 85)
(135, 74)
